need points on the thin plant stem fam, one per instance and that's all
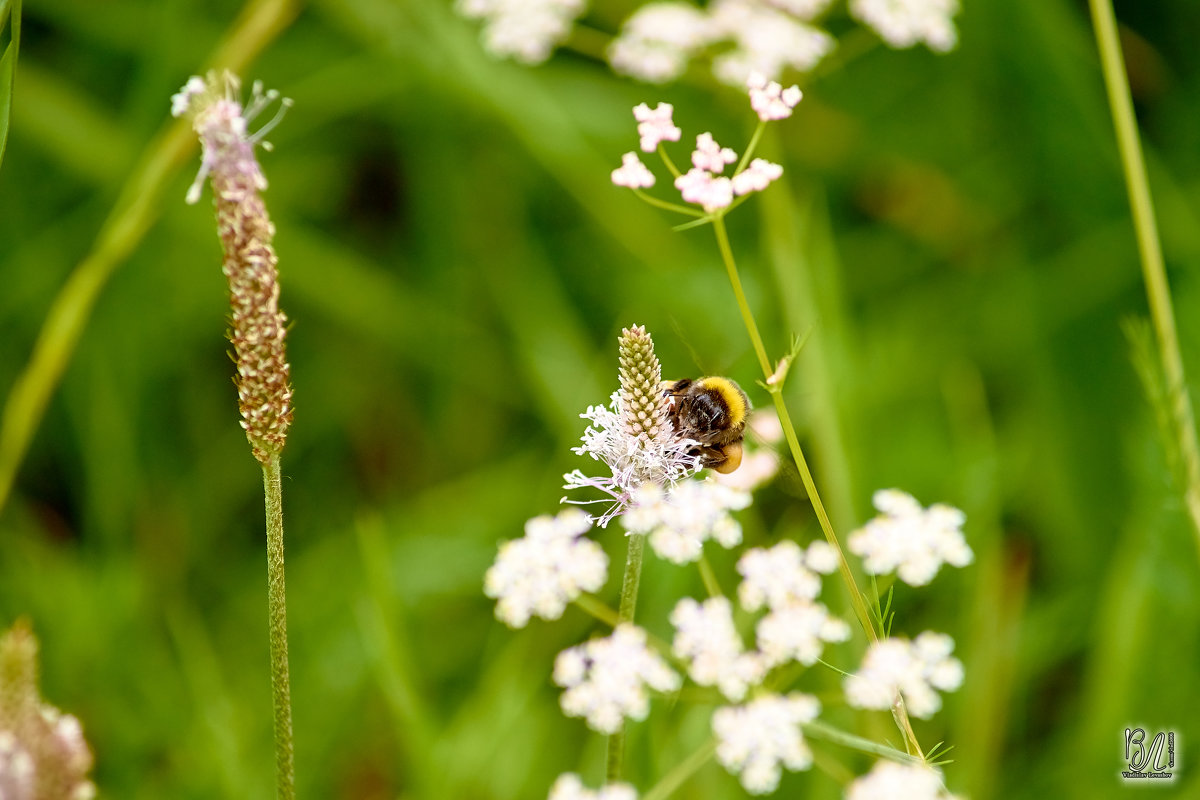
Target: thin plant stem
(625, 612)
(856, 597)
(137, 207)
(825, 733)
(1158, 291)
(711, 584)
(594, 608)
(682, 771)
(857, 601)
(285, 767)
(663, 204)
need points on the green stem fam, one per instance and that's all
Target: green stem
(823, 732)
(682, 771)
(856, 597)
(277, 616)
(857, 601)
(663, 204)
(758, 132)
(1158, 292)
(594, 608)
(137, 208)
(711, 584)
(625, 612)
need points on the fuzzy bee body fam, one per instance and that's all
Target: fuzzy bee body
(711, 411)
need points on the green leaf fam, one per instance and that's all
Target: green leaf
(9, 10)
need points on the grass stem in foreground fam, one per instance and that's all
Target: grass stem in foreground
(285, 767)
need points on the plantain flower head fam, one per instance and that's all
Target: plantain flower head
(257, 325)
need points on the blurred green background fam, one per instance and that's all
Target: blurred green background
(457, 265)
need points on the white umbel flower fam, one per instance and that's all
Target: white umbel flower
(524, 30)
(888, 780)
(766, 40)
(915, 669)
(904, 23)
(911, 540)
(757, 740)
(783, 575)
(548, 568)
(606, 679)
(570, 787)
(658, 39)
(632, 173)
(798, 632)
(706, 638)
(680, 520)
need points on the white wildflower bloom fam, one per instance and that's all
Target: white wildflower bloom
(913, 541)
(915, 669)
(655, 125)
(548, 568)
(798, 632)
(766, 41)
(570, 787)
(181, 101)
(525, 30)
(803, 9)
(706, 638)
(821, 557)
(756, 177)
(606, 679)
(658, 39)
(758, 739)
(635, 437)
(680, 520)
(889, 780)
(769, 99)
(700, 187)
(632, 173)
(776, 578)
(904, 23)
(710, 156)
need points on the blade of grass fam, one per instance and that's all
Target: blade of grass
(1158, 291)
(10, 12)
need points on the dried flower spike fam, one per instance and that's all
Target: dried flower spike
(42, 752)
(257, 326)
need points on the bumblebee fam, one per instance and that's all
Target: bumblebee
(711, 411)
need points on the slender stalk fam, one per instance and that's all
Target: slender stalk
(1158, 292)
(825, 733)
(136, 210)
(856, 597)
(625, 612)
(857, 601)
(285, 768)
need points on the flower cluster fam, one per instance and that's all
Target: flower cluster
(888, 780)
(706, 638)
(633, 436)
(911, 540)
(257, 325)
(570, 787)
(914, 669)
(524, 30)
(659, 39)
(758, 739)
(542, 572)
(606, 679)
(905, 23)
(680, 520)
(705, 184)
(42, 751)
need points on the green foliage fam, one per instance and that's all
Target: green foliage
(953, 229)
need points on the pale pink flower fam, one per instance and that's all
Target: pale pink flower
(770, 100)
(655, 125)
(710, 156)
(632, 173)
(700, 187)
(756, 177)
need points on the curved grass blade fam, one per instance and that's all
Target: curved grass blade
(10, 44)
